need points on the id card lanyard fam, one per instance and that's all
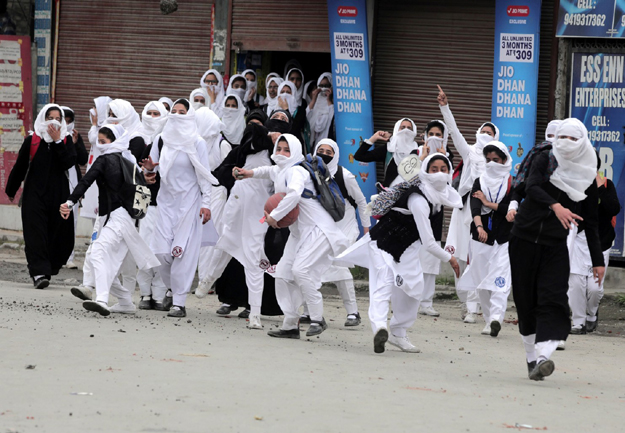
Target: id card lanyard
(490, 196)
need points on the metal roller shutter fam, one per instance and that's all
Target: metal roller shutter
(280, 25)
(544, 68)
(129, 50)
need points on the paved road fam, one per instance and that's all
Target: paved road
(204, 373)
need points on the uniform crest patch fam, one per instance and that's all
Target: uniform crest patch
(177, 252)
(399, 280)
(500, 282)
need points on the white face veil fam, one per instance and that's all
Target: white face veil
(299, 92)
(234, 120)
(322, 112)
(289, 98)
(474, 167)
(101, 103)
(295, 147)
(272, 103)
(41, 124)
(552, 127)
(70, 125)
(334, 164)
(402, 142)
(126, 116)
(437, 186)
(200, 91)
(577, 160)
(152, 126)
(209, 127)
(120, 145)
(494, 180)
(250, 85)
(240, 92)
(434, 142)
(217, 88)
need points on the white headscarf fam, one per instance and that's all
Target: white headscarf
(299, 93)
(238, 92)
(272, 103)
(494, 180)
(200, 91)
(41, 124)
(552, 127)
(305, 95)
(577, 160)
(249, 85)
(436, 143)
(322, 112)
(474, 167)
(234, 121)
(120, 145)
(101, 103)
(180, 134)
(334, 164)
(270, 76)
(402, 142)
(166, 100)
(290, 99)
(152, 126)
(70, 126)
(209, 127)
(437, 186)
(282, 161)
(217, 88)
(126, 117)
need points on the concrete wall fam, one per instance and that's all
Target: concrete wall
(11, 219)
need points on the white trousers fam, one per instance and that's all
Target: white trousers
(429, 287)
(348, 295)
(307, 265)
(178, 272)
(494, 304)
(470, 298)
(75, 209)
(584, 296)
(149, 280)
(204, 263)
(383, 292)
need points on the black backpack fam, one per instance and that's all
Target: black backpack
(328, 192)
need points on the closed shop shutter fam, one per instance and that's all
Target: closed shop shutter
(418, 45)
(129, 50)
(280, 25)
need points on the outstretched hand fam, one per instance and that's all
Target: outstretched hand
(442, 98)
(148, 164)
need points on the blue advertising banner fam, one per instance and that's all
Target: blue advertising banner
(515, 75)
(591, 18)
(351, 86)
(598, 100)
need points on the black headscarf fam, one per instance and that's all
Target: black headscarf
(275, 125)
(257, 114)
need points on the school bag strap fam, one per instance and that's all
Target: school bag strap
(327, 191)
(340, 181)
(524, 167)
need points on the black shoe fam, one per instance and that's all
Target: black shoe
(245, 314)
(168, 301)
(542, 370)
(353, 320)
(96, 307)
(530, 367)
(304, 318)
(41, 283)
(495, 327)
(146, 304)
(380, 338)
(177, 311)
(579, 331)
(224, 310)
(281, 333)
(592, 326)
(316, 327)
(158, 306)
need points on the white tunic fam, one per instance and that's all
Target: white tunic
(180, 198)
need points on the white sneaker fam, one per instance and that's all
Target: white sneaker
(486, 330)
(82, 292)
(463, 310)
(561, 345)
(429, 311)
(470, 318)
(203, 289)
(71, 265)
(123, 309)
(403, 343)
(254, 323)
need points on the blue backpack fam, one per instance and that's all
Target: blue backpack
(328, 193)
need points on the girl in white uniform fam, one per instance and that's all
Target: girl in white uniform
(271, 97)
(489, 270)
(183, 203)
(473, 166)
(314, 240)
(199, 98)
(391, 252)
(118, 236)
(320, 111)
(213, 83)
(233, 118)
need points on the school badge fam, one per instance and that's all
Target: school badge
(264, 264)
(177, 252)
(450, 249)
(399, 281)
(500, 282)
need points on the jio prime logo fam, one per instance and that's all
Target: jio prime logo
(264, 264)
(177, 252)
(450, 249)
(500, 282)
(399, 280)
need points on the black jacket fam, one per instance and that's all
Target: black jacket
(536, 222)
(106, 171)
(378, 154)
(609, 207)
(82, 156)
(153, 187)
(500, 230)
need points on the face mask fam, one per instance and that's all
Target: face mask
(197, 105)
(439, 180)
(496, 169)
(56, 123)
(568, 149)
(238, 92)
(213, 87)
(276, 125)
(70, 127)
(326, 158)
(250, 84)
(435, 143)
(113, 120)
(280, 160)
(483, 139)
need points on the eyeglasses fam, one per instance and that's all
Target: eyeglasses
(211, 82)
